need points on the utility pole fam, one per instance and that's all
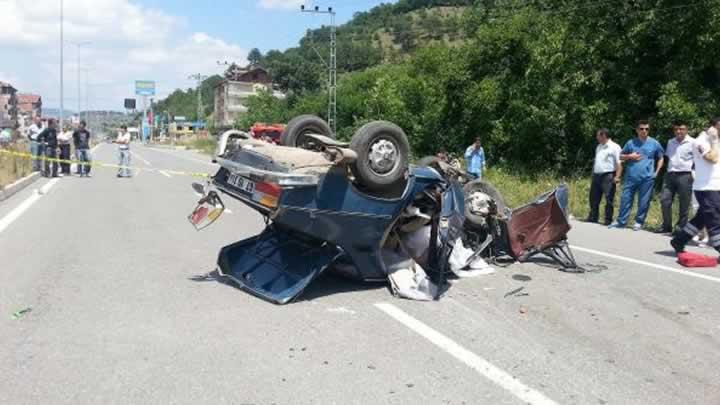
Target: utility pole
(332, 67)
(62, 41)
(199, 77)
(79, 46)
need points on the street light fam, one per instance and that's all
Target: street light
(62, 105)
(79, 45)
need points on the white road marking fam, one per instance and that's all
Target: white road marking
(164, 173)
(472, 360)
(647, 264)
(25, 205)
(133, 153)
(228, 210)
(185, 157)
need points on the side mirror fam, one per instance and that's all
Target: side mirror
(199, 188)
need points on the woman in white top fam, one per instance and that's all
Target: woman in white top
(64, 137)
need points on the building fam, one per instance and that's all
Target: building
(8, 106)
(232, 93)
(29, 106)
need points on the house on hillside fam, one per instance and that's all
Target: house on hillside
(29, 106)
(232, 93)
(8, 106)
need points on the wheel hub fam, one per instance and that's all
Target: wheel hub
(383, 156)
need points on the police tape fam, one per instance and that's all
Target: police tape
(25, 155)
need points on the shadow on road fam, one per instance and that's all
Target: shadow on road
(325, 285)
(666, 253)
(331, 284)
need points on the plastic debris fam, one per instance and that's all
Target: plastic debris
(458, 262)
(407, 278)
(513, 292)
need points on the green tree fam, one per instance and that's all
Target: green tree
(254, 56)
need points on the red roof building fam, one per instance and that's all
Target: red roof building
(30, 105)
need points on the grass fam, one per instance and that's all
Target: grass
(206, 146)
(13, 168)
(521, 189)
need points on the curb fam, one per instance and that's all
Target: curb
(10, 190)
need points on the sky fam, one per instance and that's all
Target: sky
(126, 40)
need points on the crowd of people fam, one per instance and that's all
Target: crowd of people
(692, 174)
(53, 142)
(51, 147)
(692, 177)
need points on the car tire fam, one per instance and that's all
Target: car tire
(383, 155)
(492, 192)
(298, 127)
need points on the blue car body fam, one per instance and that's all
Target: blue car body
(328, 224)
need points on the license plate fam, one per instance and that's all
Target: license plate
(241, 183)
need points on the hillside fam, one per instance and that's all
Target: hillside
(385, 34)
(534, 79)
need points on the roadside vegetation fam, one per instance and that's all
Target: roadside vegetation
(13, 168)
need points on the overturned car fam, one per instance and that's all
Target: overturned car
(362, 210)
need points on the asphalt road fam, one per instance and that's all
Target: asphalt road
(123, 313)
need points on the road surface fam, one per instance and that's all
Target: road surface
(124, 312)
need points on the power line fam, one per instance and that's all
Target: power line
(332, 65)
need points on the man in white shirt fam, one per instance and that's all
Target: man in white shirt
(123, 142)
(678, 179)
(607, 172)
(706, 155)
(36, 149)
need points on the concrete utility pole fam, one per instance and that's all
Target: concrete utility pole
(332, 67)
(199, 77)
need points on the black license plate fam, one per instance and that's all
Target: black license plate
(241, 183)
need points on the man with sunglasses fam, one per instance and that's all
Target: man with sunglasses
(706, 156)
(643, 159)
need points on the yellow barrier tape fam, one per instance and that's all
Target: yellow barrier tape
(100, 164)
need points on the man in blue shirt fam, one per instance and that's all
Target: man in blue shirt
(475, 159)
(639, 155)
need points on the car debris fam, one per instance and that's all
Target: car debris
(19, 314)
(361, 210)
(514, 292)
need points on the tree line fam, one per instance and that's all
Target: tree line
(534, 79)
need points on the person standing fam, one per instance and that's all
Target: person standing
(48, 138)
(35, 147)
(607, 171)
(475, 159)
(640, 155)
(706, 155)
(123, 141)
(81, 139)
(679, 178)
(64, 138)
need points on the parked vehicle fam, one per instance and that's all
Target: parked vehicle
(267, 132)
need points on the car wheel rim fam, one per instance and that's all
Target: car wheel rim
(383, 156)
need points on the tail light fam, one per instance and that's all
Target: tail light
(267, 194)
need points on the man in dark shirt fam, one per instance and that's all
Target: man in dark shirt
(81, 139)
(48, 137)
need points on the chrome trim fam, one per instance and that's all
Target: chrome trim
(282, 179)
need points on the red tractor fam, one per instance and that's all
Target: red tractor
(267, 132)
